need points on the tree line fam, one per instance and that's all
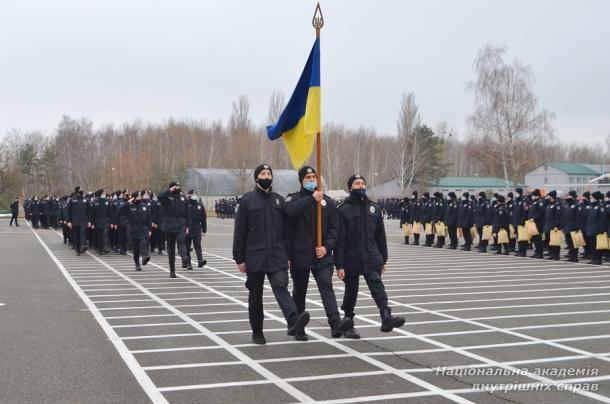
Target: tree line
(508, 134)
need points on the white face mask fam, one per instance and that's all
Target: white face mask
(194, 198)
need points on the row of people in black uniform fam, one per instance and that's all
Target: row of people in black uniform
(274, 236)
(43, 212)
(390, 207)
(225, 208)
(141, 220)
(588, 215)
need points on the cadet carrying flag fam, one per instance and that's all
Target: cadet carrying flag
(300, 121)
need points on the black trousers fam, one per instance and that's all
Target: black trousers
(122, 238)
(429, 239)
(140, 249)
(196, 242)
(79, 237)
(538, 246)
(35, 221)
(174, 239)
(44, 221)
(66, 233)
(53, 221)
(352, 285)
(101, 238)
(452, 230)
(157, 240)
(14, 217)
(467, 237)
(482, 243)
(324, 280)
(572, 251)
(279, 285)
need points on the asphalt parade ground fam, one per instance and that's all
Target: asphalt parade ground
(480, 328)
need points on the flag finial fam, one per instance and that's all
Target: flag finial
(318, 20)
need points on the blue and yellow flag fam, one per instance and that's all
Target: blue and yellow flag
(300, 121)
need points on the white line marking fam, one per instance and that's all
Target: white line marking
(137, 371)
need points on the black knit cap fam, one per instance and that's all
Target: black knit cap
(597, 195)
(572, 194)
(135, 194)
(608, 194)
(500, 198)
(414, 193)
(466, 195)
(174, 184)
(260, 168)
(190, 192)
(76, 189)
(99, 192)
(303, 171)
(587, 194)
(536, 192)
(519, 191)
(510, 195)
(553, 194)
(353, 178)
(482, 194)
(427, 194)
(452, 195)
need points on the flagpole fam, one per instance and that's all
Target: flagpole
(318, 23)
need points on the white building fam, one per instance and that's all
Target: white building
(563, 177)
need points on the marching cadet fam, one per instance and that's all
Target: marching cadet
(101, 220)
(500, 222)
(509, 210)
(415, 215)
(451, 219)
(552, 222)
(426, 209)
(482, 217)
(44, 212)
(26, 209)
(78, 216)
(54, 211)
(158, 237)
(121, 223)
(305, 257)
(260, 250)
(438, 215)
(35, 212)
(404, 216)
(176, 219)
(596, 225)
(139, 224)
(569, 223)
(465, 220)
(197, 229)
(585, 205)
(362, 250)
(536, 212)
(63, 218)
(518, 219)
(15, 212)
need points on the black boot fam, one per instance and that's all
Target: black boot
(172, 273)
(200, 264)
(352, 333)
(338, 326)
(299, 324)
(388, 322)
(138, 267)
(258, 338)
(407, 240)
(145, 260)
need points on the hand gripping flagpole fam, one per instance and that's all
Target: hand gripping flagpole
(318, 23)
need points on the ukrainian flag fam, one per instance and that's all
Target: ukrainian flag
(300, 121)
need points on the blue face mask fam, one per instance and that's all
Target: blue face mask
(310, 186)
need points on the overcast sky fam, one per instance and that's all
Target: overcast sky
(118, 60)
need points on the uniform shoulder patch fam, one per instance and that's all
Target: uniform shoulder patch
(144, 208)
(323, 203)
(372, 209)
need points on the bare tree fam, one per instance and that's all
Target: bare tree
(506, 112)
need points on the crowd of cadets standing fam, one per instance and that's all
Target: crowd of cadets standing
(508, 221)
(225, 208)
(120, 221)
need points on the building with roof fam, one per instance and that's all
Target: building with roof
(563, 177)
(473, 185)
(218, 183)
